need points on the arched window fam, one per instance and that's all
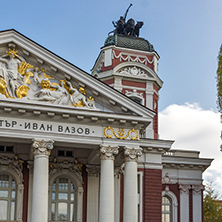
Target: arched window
(166, 209)
(169, 206)
(7, 197)
(63, 200)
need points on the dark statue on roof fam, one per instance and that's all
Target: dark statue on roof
(126, 28)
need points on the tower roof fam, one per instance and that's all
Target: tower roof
(131, 42)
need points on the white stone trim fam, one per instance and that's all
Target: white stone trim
(184, 202)
(197, 202)
(174, 203)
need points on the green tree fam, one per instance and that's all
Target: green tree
(219, 81)
(212, 209)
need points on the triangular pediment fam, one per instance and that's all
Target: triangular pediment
(33, 75)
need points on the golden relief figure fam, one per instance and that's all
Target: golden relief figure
(19, 79)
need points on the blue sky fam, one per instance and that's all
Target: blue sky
(186, 34)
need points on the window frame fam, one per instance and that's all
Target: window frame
(9, 199)
(174, 204)
(78, 196)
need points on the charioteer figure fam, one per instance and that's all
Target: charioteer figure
(126, 28)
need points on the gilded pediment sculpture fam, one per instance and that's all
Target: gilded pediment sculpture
(22, 80)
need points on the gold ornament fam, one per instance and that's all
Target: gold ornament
(9, 52)
(3, 87)
(120, 134)
(22, 91)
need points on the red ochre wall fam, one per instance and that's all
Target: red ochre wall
(25, 172)
(152, 195)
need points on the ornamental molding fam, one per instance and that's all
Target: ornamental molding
(184, 188)
(134, 93)
(134, 71)
(21, 80)
(132, 134)
(13, 165)
(92, 170)
(108, 152)
(42, 147)
(130, 57)
(197, 189)
(118, 171)
(166, 179)
(131, 154)
(66, 167)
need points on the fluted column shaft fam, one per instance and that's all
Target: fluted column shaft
(106, 209)
(130, 200)
(41, 150)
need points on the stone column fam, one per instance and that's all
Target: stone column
(41, 151)
(130, 200)
(106, 209)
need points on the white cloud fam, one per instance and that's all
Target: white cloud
(193, 128)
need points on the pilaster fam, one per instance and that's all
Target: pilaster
(197, 202)
(184, 202)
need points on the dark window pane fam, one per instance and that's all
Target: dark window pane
(9, 148)
(61, 153)
(69, 153)
(1, 148)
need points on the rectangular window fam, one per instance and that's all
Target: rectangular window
(8, 149)
(65, 153)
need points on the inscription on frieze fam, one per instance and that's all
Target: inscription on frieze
(53, 127)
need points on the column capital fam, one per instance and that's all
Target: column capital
(43, 147)
(197, 189)
(184, 188)
(93, 170)
(132, 153)
(107, 152)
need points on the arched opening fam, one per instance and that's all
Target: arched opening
(7, 197)
(166, 209)
(63, 203)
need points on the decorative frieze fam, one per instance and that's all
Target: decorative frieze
(107, 152)
(121, 134)
(66, 167)
(19, 79)
(122, 56)
(42, 147)
(132, 154)
(15, 164)
(135, 71)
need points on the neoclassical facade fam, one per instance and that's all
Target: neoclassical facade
(84, 147)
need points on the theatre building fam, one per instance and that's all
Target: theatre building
(84, 147)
